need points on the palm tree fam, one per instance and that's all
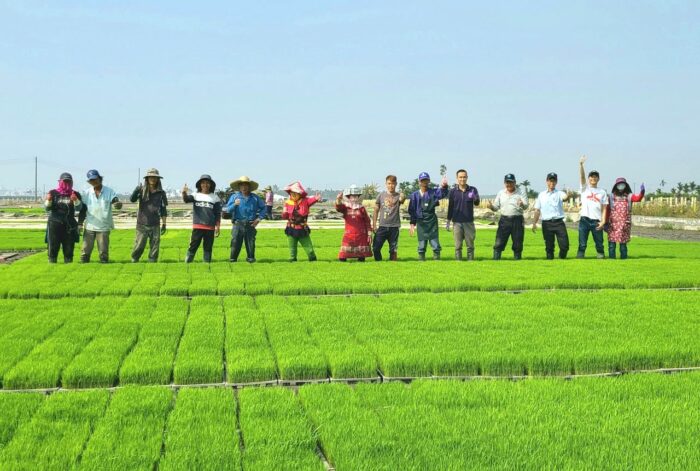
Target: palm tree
(679, 188)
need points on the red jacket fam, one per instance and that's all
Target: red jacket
(297, 213)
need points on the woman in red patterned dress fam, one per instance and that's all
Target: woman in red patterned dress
(356, 240)
(620, 216)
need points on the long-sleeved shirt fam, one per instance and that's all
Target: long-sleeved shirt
(250, 208)
(297, 213)
(61, 208)
(206, 210)
(429, 199)
(509, 203)
(99, 209)
(460, 206)
(151, 208)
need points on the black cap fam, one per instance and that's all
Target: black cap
(509, 178)
(552, 176)
(594, 173)
(66, 176)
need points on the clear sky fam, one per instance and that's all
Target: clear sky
(341, 92)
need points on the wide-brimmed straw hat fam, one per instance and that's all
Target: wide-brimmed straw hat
(296, 187)
(267, 188)
(236, 184)
(205, 177)
(152, 172)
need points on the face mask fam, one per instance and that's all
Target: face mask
(620, 186)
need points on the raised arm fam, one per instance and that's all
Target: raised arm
(639, 196)
(582, 171)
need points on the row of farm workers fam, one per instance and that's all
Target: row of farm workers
(600, 212)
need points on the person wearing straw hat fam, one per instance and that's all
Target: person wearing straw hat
(151, 216)
(356, 240)
(61, 227)
(296, 212)
(512, 205)
(97, 214)
(246, 210)
(206, 217)
(269, 201)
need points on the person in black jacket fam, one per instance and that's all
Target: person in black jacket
(206, 217)
(62, 228)
(153, 204)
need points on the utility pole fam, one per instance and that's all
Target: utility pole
(36, 178)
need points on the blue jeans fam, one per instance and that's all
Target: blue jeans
(434, 244)
(611, 250)
(586, 226)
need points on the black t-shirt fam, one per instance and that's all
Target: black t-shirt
(152, 208)
(62, 208)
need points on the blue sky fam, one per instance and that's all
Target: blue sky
(342, 92)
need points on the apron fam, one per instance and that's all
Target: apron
(428, 224)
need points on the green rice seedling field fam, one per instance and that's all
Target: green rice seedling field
(563, 364)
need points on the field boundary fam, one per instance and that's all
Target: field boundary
(295, 384)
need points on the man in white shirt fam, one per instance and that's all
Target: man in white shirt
(594, 209)
(512, 205)
(550, 206)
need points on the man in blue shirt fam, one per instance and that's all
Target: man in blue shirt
(550, 207)
(421, 209)
(246, 210)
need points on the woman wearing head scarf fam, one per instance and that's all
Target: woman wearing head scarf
(62, 228)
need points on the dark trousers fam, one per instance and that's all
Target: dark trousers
(145, 234)
(588, 226)
(384, 234)
(199, 236)
(550, 229)
(59, 236)
(269, 212)
(243, 232)
(513, 227)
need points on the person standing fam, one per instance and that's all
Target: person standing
(460, 211)
(387, 211)
(269, 202)
(594, 211)
(550, 207)
(246, 210)
(206, 217)
(421, 209)
(620, 216)
(153, 204)
(511, 224)
(296, 211)
(61, 227)
(98, 201)
(356, 239)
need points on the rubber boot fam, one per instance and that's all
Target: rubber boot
(470, 255)
(312, 257)
(393, 256)
(360, 259)
(52, 260)
(421, 256)
(516, 256)
(68, 260)
(458, 255)
(436, 255)
(207, 257)
(189, 257)
(611, 250)
(496, 254)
